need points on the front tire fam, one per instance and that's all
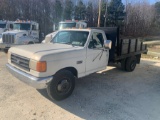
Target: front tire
(62, 85)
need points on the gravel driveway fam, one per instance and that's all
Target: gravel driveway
(108, 95)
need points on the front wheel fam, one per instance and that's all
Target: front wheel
(62, 85)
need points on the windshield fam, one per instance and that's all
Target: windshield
(75, 38)
(66, 25)
(21, 26)
(2, 25)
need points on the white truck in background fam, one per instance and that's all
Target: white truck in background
(65, 25)
(72, 24)
(23, 33)
(5, 26)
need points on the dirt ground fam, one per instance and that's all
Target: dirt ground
(154, 48)
(111, 94)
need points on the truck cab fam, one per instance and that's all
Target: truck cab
(24, 32)
(72, 24)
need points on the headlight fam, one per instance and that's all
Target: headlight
(39, 66)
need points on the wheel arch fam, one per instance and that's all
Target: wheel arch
(30, 42)
(71, 69)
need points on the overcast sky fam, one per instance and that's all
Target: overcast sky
(151, 1)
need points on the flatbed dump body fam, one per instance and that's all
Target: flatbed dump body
(122, 48)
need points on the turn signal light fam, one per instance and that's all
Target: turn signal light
(41, 66)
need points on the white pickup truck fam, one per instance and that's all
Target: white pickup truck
(72, 53)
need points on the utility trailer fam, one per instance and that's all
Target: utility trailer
(125, 51)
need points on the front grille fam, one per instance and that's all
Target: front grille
(7, 38)
(20, 61)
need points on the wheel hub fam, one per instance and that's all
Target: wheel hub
(63, 86)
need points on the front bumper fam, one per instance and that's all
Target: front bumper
(6, 46)
(38, 83)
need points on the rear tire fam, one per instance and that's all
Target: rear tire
(123, 64)
(62, 85)
(131, 64)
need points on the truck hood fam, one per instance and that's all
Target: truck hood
(37, 51)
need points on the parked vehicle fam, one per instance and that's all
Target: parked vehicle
(72, 24)
(64, 25)
(24, 32)
(5, 26)
(72, 53)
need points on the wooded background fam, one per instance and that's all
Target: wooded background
(135, 18)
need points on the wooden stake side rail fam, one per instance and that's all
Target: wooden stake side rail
(130, 47)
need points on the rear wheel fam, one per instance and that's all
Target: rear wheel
(123, 64)
(62, 85)
(131, 64)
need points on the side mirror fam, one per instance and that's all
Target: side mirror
(108, 44)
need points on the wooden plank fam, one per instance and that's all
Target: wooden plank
(138, 45)
(129, 55)
(124, 46)
(132, 46)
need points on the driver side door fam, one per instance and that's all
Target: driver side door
(97, 56)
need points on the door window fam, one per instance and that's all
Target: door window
(34, 27)
(97, 41)
(11, 26)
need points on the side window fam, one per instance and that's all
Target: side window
(11, 26)
(34, 27)
(97, 41)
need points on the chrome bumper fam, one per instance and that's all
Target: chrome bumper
(38, 83)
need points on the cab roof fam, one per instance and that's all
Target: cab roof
(25, 22)
(80, 29)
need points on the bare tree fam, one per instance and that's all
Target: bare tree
(139, 18)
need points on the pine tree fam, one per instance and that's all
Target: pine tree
(80, 11)
(89, 14)
(68, 10)
(115, 12)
